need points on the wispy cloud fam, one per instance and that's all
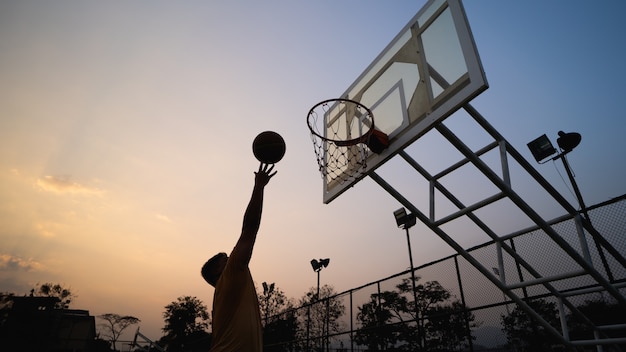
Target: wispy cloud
(163, 218)
(11, 263)
(64, 184)
(47, 229)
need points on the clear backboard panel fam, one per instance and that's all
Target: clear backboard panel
(428, 71)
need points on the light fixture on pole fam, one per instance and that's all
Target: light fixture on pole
(542, 148)
(317, 267)
(406, 221)
(268, 289)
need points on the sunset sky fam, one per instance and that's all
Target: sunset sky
(126, 130)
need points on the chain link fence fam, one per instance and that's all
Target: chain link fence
(382, 315)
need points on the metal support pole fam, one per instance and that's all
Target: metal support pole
(317, 299)
(417, 315)
(308, 325)
(468, 329)
(318, 286)
(579, 196)
(326, 340)
(408, 241)
(352, 323)
(583, 209)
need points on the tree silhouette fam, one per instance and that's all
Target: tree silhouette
(272, 301)
(379, 320)
(526, 332)
(186, 322)
(600, 312)
(447, 327)
(395, 320)
(321, 317)
(114, 324)
(64, 295)
(280, 324)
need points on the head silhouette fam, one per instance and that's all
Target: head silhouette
(212, 269)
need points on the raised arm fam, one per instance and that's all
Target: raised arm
(252, 217)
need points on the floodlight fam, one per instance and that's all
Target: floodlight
(268, 289)
(318, 265)
(541, 148)
(568, 141)
(404, 220)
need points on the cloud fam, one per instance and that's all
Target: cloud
(48, 229)
(63, 184)
(12, 263)
(163, 218)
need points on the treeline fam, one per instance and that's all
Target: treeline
(414, 316)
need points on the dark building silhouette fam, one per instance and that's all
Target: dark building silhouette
(33, 324)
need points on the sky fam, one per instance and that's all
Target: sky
(126, 131)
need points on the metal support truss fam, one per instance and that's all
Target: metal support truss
(505, 190)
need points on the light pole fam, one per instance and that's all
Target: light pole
(542, 148)
(317, 267)
(406, 221)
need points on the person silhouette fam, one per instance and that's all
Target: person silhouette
(236, 314)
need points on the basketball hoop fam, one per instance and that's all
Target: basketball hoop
(343, 135)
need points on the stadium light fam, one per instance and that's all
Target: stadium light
(542, 148)
(317, 267)
(406, 221)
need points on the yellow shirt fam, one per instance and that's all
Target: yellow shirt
(236, 316)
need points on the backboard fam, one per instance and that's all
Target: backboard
(427, 72)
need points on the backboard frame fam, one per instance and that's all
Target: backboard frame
(432, 98)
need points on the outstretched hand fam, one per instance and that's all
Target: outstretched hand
(263, 176)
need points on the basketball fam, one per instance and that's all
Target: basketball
(268, 147)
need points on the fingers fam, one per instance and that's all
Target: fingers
(266, 169)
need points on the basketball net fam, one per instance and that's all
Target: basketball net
(343, 136)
